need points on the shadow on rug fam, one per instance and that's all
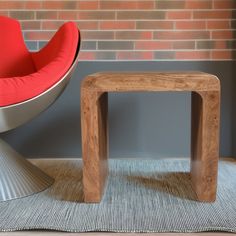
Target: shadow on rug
(141, 196)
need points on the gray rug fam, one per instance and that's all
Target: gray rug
(142, 196)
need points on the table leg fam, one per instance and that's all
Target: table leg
(94, 109)
(205, 143)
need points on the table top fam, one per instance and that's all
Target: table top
(151, 81)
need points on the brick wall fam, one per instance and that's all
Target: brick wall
(134, 30)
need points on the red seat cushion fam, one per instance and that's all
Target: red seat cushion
(15, 59)
(47, 67)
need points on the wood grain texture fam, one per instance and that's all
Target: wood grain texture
(205, 90)
(205, 143)
(94, 143)
(151, 81)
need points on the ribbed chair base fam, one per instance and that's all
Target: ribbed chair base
(18, 177)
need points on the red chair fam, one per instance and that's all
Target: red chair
(29, 83)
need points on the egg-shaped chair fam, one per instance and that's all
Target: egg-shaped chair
(29, 83)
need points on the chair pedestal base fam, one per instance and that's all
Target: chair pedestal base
(18, 177)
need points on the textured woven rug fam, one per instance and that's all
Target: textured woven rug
(141, 196)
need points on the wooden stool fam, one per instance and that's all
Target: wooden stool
(205, 90)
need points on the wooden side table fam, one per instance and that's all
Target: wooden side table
(205, 98)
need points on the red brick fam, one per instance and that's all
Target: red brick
(4, 13)
(67, 15)
(224, 4)
(220, 45)
(193, 55)
(88, 25)
(86, 56)
(30, 25)
(180, 35)
(178, 15)
(85, 5)
(140, 15)
(118, 5)
(96, 15)
(216, 14)
(221, 55)
(222, 34)
(138, 30)
(52, 4)
(137, 55)
(190, 25)
(153, 45)
(33, 5)
(36, 35)
(133, 35)
(206, 4)
(13, 5)
(218, 24)
(109, 25)
(51, 25)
